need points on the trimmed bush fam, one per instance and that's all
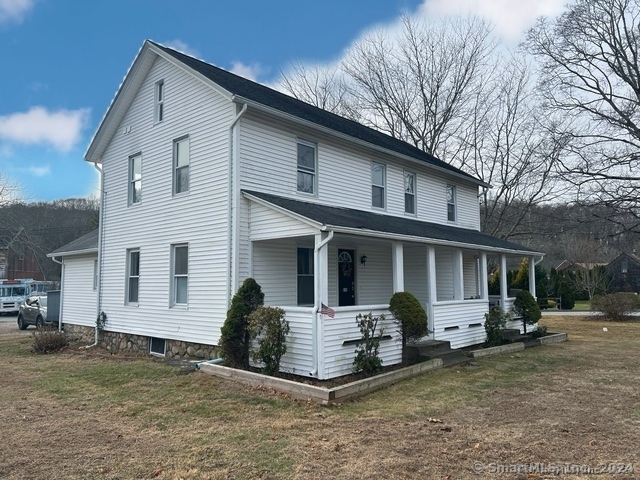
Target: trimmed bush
(367, 360)
(494, 323)
(616, 306)
(269, 327)
(49, 340)
(526, 307)
(235, 340)
(409, 316)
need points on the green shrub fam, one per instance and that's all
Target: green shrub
(268, 326)
(49, 340)
(616, 306)
(567, 301)
(541, 331)
(409, 316)
(494, 323)
(367, 359)
(526, 307)
(234, 339)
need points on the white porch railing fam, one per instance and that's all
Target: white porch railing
(460, 322)
(341, 332)
(299, 356)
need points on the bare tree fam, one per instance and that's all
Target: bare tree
(590, 82)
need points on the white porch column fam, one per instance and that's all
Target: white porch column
(397, 259)
(532, 276)
(432, 291)
(458, 276)
(483, 277)
(321, 295)
(504, 294)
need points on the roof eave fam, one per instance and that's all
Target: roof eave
(349, 138)
(71, 253)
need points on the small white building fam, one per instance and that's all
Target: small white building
(209, 178)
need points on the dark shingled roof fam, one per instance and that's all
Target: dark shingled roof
(242, 87)
(82, 244)
(370, 221)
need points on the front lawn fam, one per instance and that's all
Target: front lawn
(69, 416)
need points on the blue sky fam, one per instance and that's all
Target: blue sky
(63, 60)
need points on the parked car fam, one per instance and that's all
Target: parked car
(33, 311)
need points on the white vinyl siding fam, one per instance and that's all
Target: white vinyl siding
(275, 270)
(79, 299)
(460, 323)
(444, 274)
(470, 275)
(266, 223)
(135, 179)
(415, 272)
(198, 219)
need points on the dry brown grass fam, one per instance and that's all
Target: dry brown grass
(70, 416)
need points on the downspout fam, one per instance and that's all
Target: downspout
(232, 212)
(318, 301)
(61, 292)
(99, 273)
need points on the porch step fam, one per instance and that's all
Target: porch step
(430, 349)
(510, 334)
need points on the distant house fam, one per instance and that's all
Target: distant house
(624, 271)
(568, 266)
(209, 178)
(17, 259)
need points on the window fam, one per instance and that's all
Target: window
(181, 165)
(157, 346)
(180, 274)
(410, 193)
(305, 276)
(451, 203)
(306, 167)
(378, 181)
(624, 266)
(95, 274)
(133, 276)
(135, 179)
(159, 102)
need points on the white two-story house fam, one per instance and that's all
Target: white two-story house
(209, 178)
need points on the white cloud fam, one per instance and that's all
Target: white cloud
(14, 10)
(60, 129)
(40, 171)
(511, 17)
(252, 72)
(182, 47)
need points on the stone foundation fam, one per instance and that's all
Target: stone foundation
(117, 342)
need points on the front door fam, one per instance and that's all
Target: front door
(346, 278)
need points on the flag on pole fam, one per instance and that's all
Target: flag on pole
(327, 310)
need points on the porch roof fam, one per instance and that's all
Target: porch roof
(84, 245)
(351, 221)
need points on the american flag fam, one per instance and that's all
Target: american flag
(327, 310)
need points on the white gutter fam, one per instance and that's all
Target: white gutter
(232, 212)
(317, 301)
(103, 194)
(349, 138)
(61, 291)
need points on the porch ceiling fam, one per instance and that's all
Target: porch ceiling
(351, 221)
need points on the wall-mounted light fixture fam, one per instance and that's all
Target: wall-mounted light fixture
(363, 260)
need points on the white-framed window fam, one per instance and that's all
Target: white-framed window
(133, 276)
(135, 179)
(305, 276)
(157, 346)
(307, 167)
(410, 192)
(95, 275)
(181, 165)
(451, 203)
(158, 112)
(378, 184)
(179, 274)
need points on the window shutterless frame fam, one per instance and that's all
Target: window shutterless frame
(179, 275)
(181, 165)
(135, 179)
(378, 185)
(158, 109)
(307, 167)
(133, 277)
(451, 203)
(409, 193)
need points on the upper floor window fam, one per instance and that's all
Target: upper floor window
(158, 114)
(378, 184)
(410, 193)
(307, 167)
(179, 274)
(624, 266)
(305, 276)
(135, 179)
(133, 275)
(451, 203)
(181, 165)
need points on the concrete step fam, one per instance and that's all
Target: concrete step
(427, 348)
(510, 334)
